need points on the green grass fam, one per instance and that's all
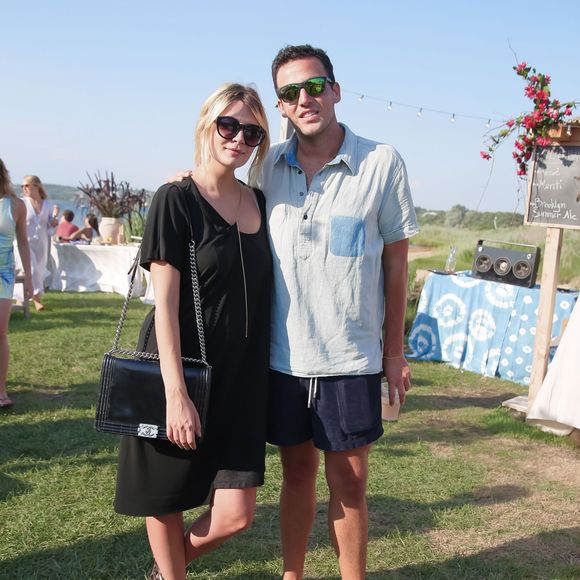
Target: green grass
(458, 488)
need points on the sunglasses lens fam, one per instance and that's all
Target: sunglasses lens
(228, 127)
(315, 87)
(253, 135)
(289, 93)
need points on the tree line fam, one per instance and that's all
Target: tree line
(461, 217)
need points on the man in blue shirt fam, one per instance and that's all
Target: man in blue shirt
(340, 215)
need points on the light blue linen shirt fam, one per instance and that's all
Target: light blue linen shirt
(327, 242)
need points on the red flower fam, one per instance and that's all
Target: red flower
(534, 125)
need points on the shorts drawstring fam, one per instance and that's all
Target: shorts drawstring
(312, 390)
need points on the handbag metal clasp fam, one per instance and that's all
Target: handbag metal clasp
(146, 430)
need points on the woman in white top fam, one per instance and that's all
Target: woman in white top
(40, 219)
(12, 225)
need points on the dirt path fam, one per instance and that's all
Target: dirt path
(416, 252)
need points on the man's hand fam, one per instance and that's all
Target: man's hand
(180, 176)
(398, 375)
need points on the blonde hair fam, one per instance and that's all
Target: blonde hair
(6, 189)
(214, 106)
(34, 180)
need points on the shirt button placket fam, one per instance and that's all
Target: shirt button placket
(304, 223)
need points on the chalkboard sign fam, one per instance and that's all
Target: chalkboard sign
(554, 192)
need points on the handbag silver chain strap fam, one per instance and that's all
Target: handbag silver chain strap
(197, 306)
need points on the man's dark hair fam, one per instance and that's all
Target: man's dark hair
(68, 215)
(290, 53)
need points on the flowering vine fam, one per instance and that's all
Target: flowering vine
(533, 127)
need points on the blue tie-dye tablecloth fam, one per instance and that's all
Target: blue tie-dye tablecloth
(480, 326)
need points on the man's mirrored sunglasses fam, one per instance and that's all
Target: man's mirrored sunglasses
(314, 87)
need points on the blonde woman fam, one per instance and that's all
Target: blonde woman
(12, 225)
(40, 219)
(161, 479)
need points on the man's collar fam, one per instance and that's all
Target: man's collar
(347, 152)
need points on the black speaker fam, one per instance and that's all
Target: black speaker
(506, 262)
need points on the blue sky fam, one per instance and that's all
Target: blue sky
(117, 85)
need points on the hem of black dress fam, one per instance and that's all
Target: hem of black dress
(247, 480)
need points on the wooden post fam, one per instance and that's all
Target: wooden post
(550, 268)
(285, 129)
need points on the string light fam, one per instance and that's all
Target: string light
(420, 110)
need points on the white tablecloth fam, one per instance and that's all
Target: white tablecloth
(557, 404)
(84, 268)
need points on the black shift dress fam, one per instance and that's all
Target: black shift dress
(156, 477)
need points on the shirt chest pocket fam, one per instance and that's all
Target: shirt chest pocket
(347, 236)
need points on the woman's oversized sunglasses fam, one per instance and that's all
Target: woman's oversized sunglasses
(314, 87)
(229, 127)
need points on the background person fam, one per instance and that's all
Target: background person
(90, 231)
(12, 225)
(40, 219)
(339, 214)
(161, 479)
(66, 228)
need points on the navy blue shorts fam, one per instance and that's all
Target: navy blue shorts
(344, 411)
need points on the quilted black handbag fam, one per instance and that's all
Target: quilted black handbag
(131, 398)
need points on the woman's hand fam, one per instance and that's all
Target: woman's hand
(183, 422)
(28, 288)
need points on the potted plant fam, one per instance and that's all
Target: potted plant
(113, 200)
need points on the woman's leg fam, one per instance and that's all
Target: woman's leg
(38, 260)
(166, 540)
(5, 310)
(231, 511)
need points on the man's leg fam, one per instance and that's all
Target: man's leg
(297, 504)
(346, 475)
